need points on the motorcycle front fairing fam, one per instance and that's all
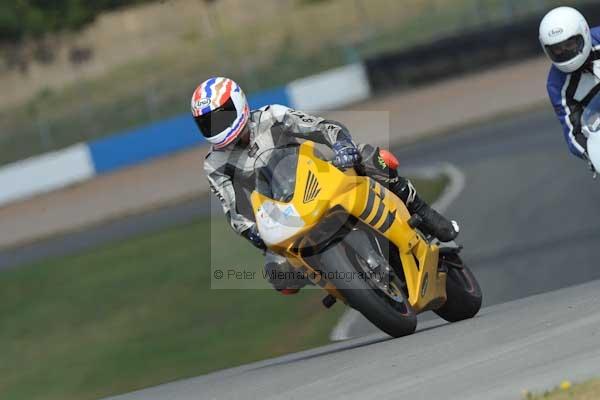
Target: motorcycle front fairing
(296, 190)
(289, 199)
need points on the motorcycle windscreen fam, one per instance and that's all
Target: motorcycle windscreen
(276, 179)
(276, 173)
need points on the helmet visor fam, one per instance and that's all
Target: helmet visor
(218, 120)
(566, 50)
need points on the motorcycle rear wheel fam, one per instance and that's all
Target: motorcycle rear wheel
(462, 290)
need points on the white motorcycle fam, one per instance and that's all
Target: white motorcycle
(590, 126)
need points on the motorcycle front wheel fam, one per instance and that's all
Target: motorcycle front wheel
(386, 308)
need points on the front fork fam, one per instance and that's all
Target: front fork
(378, 267)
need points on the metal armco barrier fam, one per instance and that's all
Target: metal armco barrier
(462, 53)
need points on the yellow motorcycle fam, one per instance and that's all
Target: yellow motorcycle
(356, 239)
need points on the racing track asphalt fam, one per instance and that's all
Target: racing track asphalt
(530, 224)
(528, 344)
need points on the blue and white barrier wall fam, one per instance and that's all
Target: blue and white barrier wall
(331, 89)
(161, 138)
(45, 173)
(51, 171)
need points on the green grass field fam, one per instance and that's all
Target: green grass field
(141, 312)
(589, 390)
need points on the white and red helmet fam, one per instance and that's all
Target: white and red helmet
(220, 110)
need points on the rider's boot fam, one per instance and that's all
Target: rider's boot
(433, 222)
(382, 166)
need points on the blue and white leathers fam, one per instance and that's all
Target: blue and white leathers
(571, 92)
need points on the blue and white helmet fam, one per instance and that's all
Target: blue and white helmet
(220, 110)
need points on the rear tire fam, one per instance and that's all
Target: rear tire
(394, 318)
(463, 293)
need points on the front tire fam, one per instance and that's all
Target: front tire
(396, 318)
(462, 290)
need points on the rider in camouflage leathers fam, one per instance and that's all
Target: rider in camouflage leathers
(230, 168)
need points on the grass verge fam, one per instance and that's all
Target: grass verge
(589, 390)
(140, 312)
(259, 56)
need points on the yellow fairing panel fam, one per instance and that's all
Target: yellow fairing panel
(320, 187)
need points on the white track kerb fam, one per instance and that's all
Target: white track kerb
(343, 329)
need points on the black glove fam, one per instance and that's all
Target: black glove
(254, 237)
(346, 155)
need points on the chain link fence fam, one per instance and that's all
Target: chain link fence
(312, 38)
